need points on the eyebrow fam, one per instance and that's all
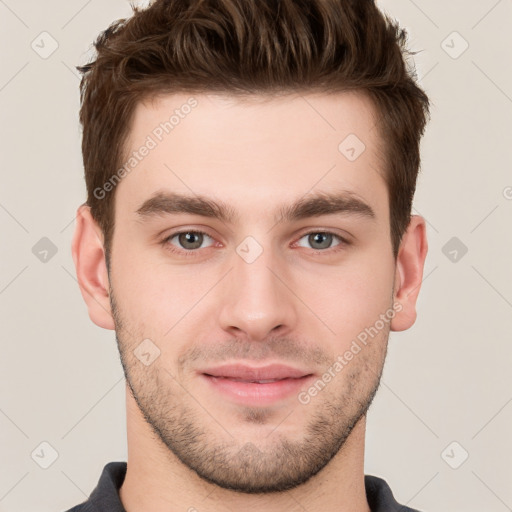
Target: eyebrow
(321, 203)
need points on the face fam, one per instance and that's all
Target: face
(251, 280)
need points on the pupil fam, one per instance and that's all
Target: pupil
(317, 239)
(187, 238)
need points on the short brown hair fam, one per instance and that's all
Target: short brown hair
(243, 47)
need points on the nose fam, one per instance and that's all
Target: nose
(258, 298)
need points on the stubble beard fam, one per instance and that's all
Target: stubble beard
(270, 464)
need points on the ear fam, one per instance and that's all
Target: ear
(409, 273)
(91, 268)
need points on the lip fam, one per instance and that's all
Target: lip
(244, 372)
(236, 382)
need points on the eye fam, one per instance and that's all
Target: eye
(188, 241)
(322, 240)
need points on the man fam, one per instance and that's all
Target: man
(250, 169)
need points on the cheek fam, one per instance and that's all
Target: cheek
(152, 296)
(138, 287)
(351, 298)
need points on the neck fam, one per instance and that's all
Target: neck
(157, 480)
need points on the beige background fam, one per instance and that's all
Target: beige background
(446, 380)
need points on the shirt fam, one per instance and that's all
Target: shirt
(105, 496)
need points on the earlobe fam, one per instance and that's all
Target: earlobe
(409, 273)
(91, 269)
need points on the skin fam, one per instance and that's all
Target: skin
(189, 445)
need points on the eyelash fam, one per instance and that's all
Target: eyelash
(192, 252)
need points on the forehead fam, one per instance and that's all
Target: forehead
(254, 150)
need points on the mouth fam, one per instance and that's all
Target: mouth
(256, 385)
(265, 381)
